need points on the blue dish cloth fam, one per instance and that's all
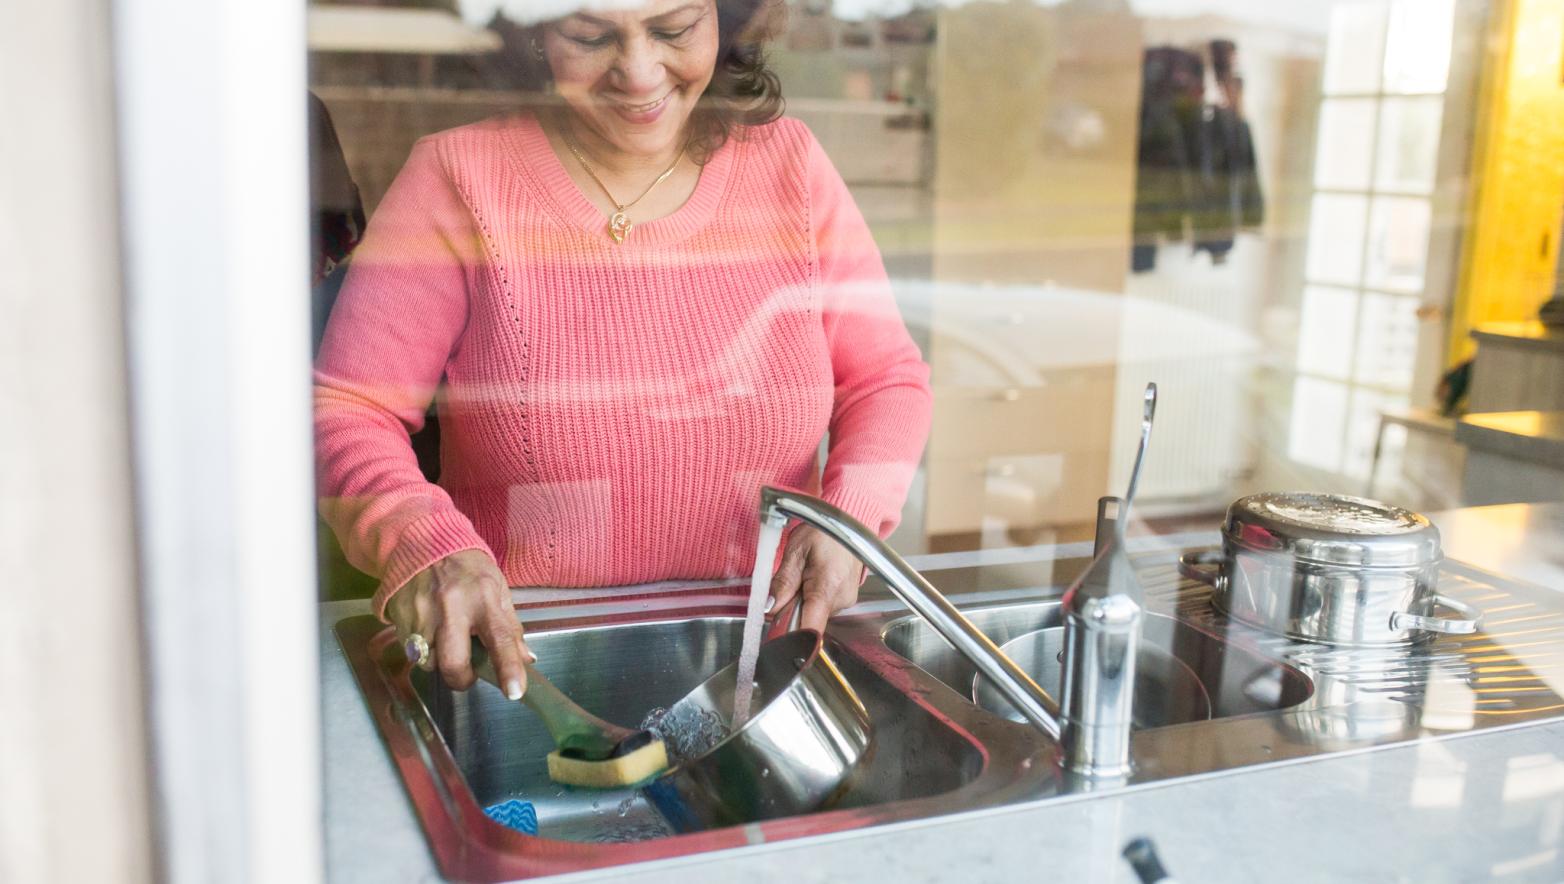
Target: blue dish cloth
(515, 814)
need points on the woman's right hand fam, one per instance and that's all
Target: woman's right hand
(462, 595)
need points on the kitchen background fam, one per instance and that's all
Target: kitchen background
(1289, 216)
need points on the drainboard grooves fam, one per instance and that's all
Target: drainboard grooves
(1511, 665)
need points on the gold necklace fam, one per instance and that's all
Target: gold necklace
(619, 223)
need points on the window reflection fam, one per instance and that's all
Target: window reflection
(1060, 190)
(1264, 208)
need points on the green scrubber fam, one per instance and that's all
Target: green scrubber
(591, 752)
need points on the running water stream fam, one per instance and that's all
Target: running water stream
(754, 619)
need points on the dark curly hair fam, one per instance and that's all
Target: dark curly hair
(743, 92)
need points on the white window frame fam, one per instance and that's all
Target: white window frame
(213, 165)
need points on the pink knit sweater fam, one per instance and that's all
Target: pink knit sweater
(609, 412)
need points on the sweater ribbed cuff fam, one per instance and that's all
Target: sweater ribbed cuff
(423, 542)
(866, 508)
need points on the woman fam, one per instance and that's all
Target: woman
(645, 302)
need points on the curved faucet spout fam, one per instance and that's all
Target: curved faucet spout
(918, 594)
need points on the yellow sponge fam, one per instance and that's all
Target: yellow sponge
(630, 769)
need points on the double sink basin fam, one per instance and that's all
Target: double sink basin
(1213, 695)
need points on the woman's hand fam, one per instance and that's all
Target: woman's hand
(822, 569)
(462, 595)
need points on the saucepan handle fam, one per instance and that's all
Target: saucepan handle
(1205, 567)
(1469, 622)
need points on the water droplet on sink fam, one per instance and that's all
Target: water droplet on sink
(626, 805)
(766, 772)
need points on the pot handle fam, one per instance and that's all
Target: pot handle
(1470, 621)
(1205, 567)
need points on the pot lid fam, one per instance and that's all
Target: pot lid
(1332, 529)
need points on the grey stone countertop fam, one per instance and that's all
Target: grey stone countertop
(1488, 806)
(1536, 436)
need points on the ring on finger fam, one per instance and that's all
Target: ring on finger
(416, 647)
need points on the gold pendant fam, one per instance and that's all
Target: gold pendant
(619, 227)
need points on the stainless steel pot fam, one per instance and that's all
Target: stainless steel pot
(1330, 568)
(795, 755)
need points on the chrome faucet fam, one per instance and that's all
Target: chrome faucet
(1102, 625)
(1034, 704)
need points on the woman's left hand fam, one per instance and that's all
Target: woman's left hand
(822, 569)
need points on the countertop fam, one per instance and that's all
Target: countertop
(1478, 807)
(1523, 541)
(1536, 436)
(1522, 334)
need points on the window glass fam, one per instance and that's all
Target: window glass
(1408, 144)
(1337, 227)
(1344, 155)
(1356, 47)
(1068, 200)
(584, 285)
(1398, 243)
(1387, 345)
(1319, 422)
(1417, 46)
(1325, 336)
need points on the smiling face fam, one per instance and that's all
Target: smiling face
(631, 78)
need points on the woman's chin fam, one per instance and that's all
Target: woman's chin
(649, 133)
(647, 140)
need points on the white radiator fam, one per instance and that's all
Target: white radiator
(1201, 440)
(1189, 326)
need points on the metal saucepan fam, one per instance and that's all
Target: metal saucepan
(1166, 690)
(794, 755)
(1330, 568)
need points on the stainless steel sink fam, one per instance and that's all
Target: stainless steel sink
(623, 672)
(1236, 681)
(620, 673)
(935, 751)
(460, 752)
